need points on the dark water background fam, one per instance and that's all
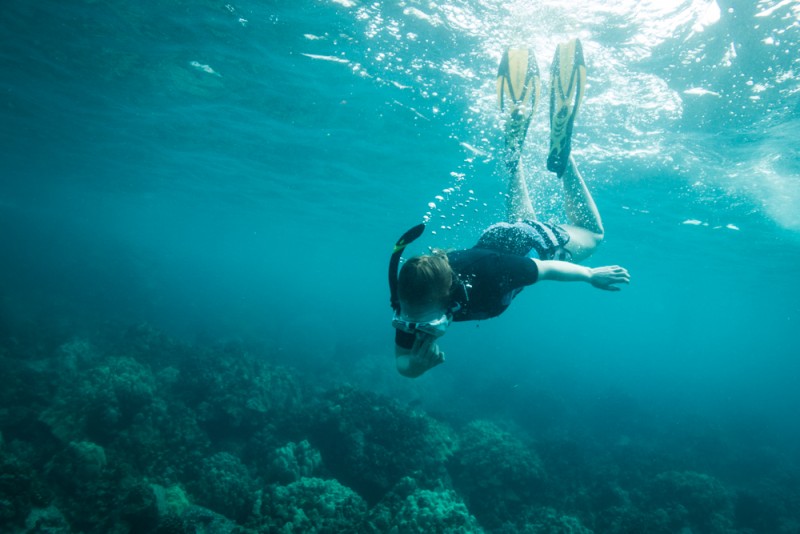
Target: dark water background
(240, 172)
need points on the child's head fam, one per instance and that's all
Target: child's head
(424, 281)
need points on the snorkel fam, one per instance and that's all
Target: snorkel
(394, 262)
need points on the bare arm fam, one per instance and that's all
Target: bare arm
(423, 356)
(599, 277)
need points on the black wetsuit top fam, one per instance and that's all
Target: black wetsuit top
(491, 279)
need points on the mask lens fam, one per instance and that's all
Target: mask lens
(435, 328)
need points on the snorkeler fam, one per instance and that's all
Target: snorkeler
(433, 290)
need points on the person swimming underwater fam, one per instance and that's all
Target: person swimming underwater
(431, 291)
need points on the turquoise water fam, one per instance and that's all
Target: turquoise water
(240, 172)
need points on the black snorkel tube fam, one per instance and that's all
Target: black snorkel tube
(394, 262)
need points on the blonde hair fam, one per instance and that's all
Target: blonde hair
(426, 279)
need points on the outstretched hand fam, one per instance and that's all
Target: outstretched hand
(607, 277)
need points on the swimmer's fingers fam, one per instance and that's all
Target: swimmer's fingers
(606, 277)
(426, 351)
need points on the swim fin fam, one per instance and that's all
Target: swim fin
(518, 88)
(567, 83)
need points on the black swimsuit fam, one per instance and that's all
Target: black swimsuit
(492, 280)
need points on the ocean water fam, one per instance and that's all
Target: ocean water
(238, 173)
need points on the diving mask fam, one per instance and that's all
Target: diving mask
(436, 328)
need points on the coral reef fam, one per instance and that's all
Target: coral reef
(223, 484)
(310, 505)
(22, 489)
(409, 508)
(496, 472)
(294, 461)
(369, 442)
(689, 500)
(534, 520)
(102, 400)
(136, 432)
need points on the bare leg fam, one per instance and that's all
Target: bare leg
(518, 90)
(518, 202)
(578, 202)
(586, 227)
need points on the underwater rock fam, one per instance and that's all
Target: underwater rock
(27, 389)
(495, 471)
(199, 520)
(369, 442)
(170, 500)
(239, 395)
(101, 401)
(294, 461)
(20, 491)
(87, 490)
(154, 508)
(434, 511)
(310, 505)
(167, 510)
(540, 520)
(691, 500)
(760, 513)
(77, 354)
(167, 441)
(139, 507)
(408, 508)
(225, 486)
(49, 520)
(81, 463)
(151, 346)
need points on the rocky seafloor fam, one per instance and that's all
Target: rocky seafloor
(132, 431)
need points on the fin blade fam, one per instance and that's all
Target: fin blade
(572, 76)
(518, 79)
(567, 84)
